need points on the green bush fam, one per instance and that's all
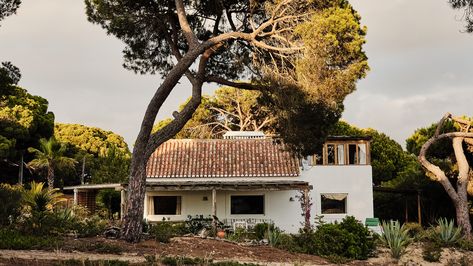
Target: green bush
(465, 244)
(90, 226)
(446, 232)
(87, 262)
(261, 230)
(431, 252)
(287, 242)
(416, 231)
(195, 224)
(395, 237)
(240, 235)
(349, 239)
(177, 261)
(12, 239)
(10, 209)
(164, 231)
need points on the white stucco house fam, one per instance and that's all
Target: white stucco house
(247, 178)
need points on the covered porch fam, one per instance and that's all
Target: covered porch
(235, 202)
(86, 195)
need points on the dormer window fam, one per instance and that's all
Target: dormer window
(343, 151)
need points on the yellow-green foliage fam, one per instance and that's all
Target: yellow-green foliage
(333, 57)
(23, 118)
(90, 139)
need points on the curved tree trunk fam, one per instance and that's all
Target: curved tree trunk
(459, 196)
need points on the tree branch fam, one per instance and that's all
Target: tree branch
(434, 171)
(238, 85)
(184, 23)
(441, 122)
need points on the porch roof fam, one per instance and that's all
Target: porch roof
(235, 185)
(116, 186)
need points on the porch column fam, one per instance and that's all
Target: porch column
(122, 203)
(306, 208)
(76, 200)
(214, 209)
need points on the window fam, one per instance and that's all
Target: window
(167, 205)
(352, 154)
(362, 153)
(330, 154)
(333, 203)
(341, 154)
(247, 204)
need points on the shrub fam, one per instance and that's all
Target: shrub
(90, 226)
(465, 244)
(348, 239)
(12, 239)
(395, 237)
(262, 229)
(465, 260)
(240, 235)
(88, 262)
(10, 209)
(416, 231)
(431, 252)
(177, 261)
(273, 236)
(195, 224)
(164, 231)
(286, 242)
(446, 232)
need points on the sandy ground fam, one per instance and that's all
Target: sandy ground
(80, 249)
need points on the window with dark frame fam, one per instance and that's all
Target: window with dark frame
(247, 204)
(331, 154)
(334, 203)
(167, 205)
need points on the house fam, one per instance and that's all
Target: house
(246, 178)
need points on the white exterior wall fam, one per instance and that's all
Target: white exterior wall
(356, 181)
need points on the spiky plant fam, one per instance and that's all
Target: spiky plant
(39, 199)
(446, 232)
(395, 237)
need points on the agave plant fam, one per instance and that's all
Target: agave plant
(273, 236)
(395, 237)
(446, 232)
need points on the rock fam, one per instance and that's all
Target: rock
(112, 232)
(204, 233)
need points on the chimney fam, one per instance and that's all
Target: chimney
(244, 135)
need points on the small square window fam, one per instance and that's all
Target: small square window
(334, 203)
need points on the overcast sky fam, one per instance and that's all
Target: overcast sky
(421, 67)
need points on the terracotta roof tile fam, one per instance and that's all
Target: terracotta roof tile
(221, 158)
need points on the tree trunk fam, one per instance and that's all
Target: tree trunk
(463, 218)
(132, 221)
(50, 177)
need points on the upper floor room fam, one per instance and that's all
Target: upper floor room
(342, 151)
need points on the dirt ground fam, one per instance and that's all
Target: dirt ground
(79, 249)
(217, 250)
